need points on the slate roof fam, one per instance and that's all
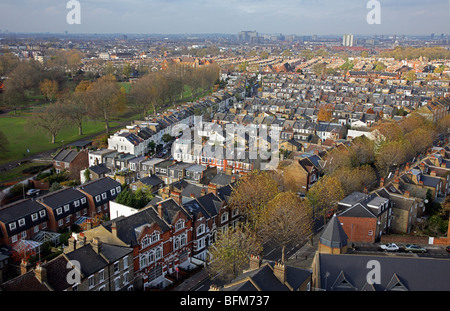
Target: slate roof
(414, 273)
(333, 235)
(264, 279)
(65, 155)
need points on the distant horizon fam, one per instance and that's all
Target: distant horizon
(177, 17)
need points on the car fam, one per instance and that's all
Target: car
(447, 249)
(33, 191)
(414, 248)
(390, 247)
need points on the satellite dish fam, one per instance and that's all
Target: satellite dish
(426, 201)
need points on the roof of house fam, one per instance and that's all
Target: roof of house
(333, 235)
(345, 272)
(65, 155)
(264, 279)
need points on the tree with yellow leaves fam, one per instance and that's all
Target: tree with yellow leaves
(324, 195)
(286, 219)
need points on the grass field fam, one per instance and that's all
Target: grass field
(22, 138)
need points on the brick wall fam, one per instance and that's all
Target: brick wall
(359, 229)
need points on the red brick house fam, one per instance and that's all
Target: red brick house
(72, 161)
(365, 217)
(161, 238)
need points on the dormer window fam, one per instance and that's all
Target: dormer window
(21, 222)
(179, 225)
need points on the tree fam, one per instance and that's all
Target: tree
(363, 150)
(49, 89)
(420, 139)
(264, 55)
(390, 154)
(48, 119)
(325, 113)
(251, 195)
(325, 194)
(103, 96)
(355, 179)
(230, 254)
(286, 219)
(409, 76)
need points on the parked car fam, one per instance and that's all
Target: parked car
(447, 249)
(414, 248)
(33, 192)
(390, 247)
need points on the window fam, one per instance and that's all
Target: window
(21, 222)
(145, 241)
(97, 198)
(118, 189)
(183, 240)
(201, 229)
(101, 276)
(155, 236)
(179, 225)
(224, 217)
(59, 211)
(83, 200)
(12, 226)
(113, 191)
(77, 203)
(36, 229)
(117, 283)
(34, 217)
(23, 234)
(104, 195)
(14, 238)
(67, 219)
(125, 262)
(143, 261)
(158, 253)
(116, 267)
(91, 281)
(60, 222)
(66, 208)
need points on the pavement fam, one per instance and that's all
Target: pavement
(303, 258)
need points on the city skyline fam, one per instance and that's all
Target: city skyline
(296, 17)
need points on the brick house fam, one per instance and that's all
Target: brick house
(161, 238)
(21, 221)
(365, 217)
(99, 192)
(100, 266)
(72, 161)
(64, 207)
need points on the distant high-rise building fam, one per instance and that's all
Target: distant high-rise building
(248, 36)
(348, 40)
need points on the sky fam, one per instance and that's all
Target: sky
(299, 17)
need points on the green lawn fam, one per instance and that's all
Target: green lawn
(22, 138)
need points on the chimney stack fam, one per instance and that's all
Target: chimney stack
(114, 229)
(40, 273)
(212, 189)
(81, 241)
(72, 245)
(160, 211)
(279, 270)
(255, 262)
(381, 182)
(24, 266)
(96, 245)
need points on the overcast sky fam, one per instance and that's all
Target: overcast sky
(301, 17)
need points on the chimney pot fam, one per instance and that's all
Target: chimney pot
(279, 270)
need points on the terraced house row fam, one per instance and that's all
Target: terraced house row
(146, 248)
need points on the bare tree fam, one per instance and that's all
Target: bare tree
(49, 120)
